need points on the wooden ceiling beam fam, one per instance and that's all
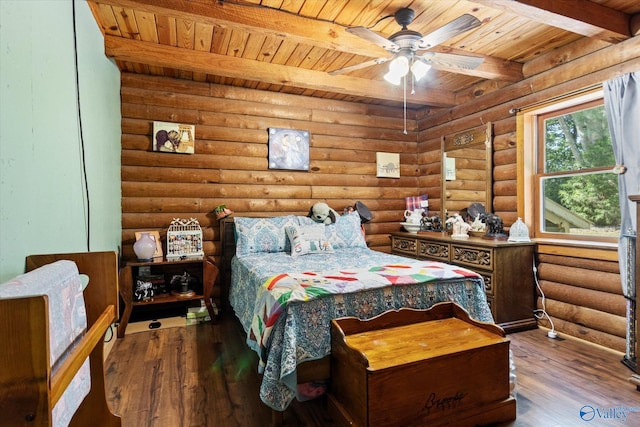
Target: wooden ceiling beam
(583, 17)
(300, 30)
(153, 54)
(258, 19)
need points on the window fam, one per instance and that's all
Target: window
(574, 192)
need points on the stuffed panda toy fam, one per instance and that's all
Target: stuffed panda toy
(322, 213)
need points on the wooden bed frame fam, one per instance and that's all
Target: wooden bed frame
(316, 370)
(28, 389)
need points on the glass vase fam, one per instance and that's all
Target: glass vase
(144, 247)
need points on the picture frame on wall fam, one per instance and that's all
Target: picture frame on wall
(388, 165)
(288, 149)
(174, 137)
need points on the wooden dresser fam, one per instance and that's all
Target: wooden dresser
(507, 269)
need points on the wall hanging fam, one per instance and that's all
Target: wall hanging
(388, 165)
(288, 149)
(174, 137)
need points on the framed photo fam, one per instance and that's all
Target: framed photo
(155, 235)
(173, 137)
(288, 149)
(388, 165)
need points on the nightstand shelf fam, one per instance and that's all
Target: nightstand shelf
(204, 270)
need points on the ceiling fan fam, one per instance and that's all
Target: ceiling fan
(406, 44)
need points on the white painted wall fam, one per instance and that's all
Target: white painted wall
(43, 204)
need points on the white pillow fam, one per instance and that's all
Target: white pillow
(308, 239)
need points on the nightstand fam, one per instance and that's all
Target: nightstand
(205, 270)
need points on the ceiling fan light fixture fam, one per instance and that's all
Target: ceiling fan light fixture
(398, 68)
(393, 78)
(419, 69)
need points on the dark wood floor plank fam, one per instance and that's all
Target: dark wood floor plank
(205, 376)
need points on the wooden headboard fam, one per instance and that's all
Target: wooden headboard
(228, 247)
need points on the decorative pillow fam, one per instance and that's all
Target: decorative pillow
(346, 232)
(255, 235)
(308, 239)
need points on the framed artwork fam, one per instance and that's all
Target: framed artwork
(155, 235)
(288, 149)
(173, 137)
(388, 165)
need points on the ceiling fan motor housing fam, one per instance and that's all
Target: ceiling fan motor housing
(406, 39)
(404, 16)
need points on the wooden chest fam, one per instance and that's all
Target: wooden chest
(419, 367)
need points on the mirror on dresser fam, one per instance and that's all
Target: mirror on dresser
(467, 170)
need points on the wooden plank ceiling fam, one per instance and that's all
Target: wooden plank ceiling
(291, 46)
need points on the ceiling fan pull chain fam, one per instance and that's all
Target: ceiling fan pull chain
(413, 83)
(405, 105)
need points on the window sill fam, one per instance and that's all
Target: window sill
(576, 243)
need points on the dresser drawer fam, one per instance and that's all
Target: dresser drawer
(434, 250)
(488, 282)
(472, 256)
(505, 268)
(404, 246)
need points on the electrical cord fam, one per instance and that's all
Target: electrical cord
(108, 336)
(541, 313)
(80, 128)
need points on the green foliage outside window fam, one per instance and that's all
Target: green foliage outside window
(578, 158)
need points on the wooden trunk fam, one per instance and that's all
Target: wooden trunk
(419, 367)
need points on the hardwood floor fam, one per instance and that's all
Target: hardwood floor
(205, 375)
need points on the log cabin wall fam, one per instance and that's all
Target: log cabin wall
(582, 285)
(230, 161)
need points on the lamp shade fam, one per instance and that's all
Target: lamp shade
(393, 78)
(419, 69)
(398, 68)
(400, 65)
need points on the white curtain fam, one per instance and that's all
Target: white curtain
(622, 104)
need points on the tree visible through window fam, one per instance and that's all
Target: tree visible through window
(578, 193)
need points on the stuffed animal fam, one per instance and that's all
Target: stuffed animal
(322, 213)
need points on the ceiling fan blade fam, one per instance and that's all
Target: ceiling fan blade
(452, 61)
(374, 38)
(458, 26)
(358, 66)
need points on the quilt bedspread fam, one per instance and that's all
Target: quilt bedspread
(280, 290)
(297, 316)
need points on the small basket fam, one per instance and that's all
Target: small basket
(184, 240)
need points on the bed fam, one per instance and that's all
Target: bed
(52, 329)
(286, 288)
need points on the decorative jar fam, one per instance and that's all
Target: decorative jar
(144, 247)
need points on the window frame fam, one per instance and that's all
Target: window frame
(530, 125)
